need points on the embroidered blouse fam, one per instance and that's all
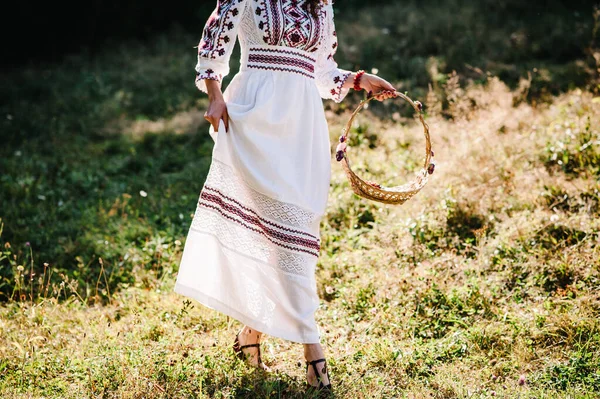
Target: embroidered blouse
(271, 23)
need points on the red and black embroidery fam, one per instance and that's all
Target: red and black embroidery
(276, 59)
(216, 29)
(279, 226)
(287, 23)
(251, 221)
(208, 74)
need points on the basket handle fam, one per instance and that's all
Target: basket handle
(417, 106)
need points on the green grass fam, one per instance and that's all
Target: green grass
(489, 274)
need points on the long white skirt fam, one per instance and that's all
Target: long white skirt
(253, 245)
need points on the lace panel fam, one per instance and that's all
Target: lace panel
(222, 176)
(239, 218)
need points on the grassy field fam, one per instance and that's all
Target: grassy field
(484, 285)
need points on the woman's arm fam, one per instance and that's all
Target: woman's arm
(333, 82)
(214, 50)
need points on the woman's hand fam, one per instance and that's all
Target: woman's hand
(374, 84)
(217, 109)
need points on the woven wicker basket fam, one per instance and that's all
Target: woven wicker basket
(389, 195)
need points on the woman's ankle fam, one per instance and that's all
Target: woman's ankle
(250, 332)
(313, 352)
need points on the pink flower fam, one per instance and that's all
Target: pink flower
(341, 147)
(522, 380)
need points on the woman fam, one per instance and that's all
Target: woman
(253, 244)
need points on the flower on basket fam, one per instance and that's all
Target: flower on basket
(431, 168)
(340, 150)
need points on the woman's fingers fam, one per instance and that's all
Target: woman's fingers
(214, 122)
(225, 118)
(385, 94)
(216, 111)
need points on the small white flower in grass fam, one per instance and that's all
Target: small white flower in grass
(20, 268)
(181, 216)
(143, 193)
(18, 153)
(177, 242)
(554, 218)
(374, 71)
(9, 117)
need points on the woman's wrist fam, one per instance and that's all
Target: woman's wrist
(349, 83)
(213, 88)
(357, 80)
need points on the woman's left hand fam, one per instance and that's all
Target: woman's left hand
(375, 84)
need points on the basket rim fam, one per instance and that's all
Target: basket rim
(375, 191)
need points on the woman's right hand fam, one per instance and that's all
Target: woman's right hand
(217, 109)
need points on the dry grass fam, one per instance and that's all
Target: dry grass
(489, 274)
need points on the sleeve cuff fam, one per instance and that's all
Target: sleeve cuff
(338, 92)
(206, 73)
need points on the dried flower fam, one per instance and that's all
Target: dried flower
(522, 380)
(419, 105)
(339, 155)
(432, 153)
(341, 147)
(342, 138)
(431, 168)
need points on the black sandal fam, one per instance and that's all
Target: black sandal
(324, 370)
(237, 349)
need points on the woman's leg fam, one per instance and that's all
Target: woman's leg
(314, 352)
(250, 336)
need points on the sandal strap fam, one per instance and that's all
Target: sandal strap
(313, 362)
(249, 346)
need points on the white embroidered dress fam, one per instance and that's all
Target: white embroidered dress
(253, 244)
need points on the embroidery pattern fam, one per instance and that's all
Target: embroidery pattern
(249, 223)
(286, 23)
(243, 241)
(222, 176)
(281, 60)
(208, 74)
(216, 30)
(339, 79)
(234, 214)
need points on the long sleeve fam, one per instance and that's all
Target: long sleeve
(218, 39)
(329, 77)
